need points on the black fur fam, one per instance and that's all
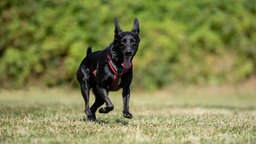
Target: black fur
(95, 71)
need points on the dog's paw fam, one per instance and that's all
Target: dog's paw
(105, 109)
(92, 119)
(127, 115)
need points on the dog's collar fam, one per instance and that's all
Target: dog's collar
(113, 54)
(114, 68)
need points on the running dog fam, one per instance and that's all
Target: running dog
(109, 70)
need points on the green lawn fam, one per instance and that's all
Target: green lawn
(174, 115)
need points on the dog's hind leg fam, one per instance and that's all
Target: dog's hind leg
(98, 102)
(85, 90)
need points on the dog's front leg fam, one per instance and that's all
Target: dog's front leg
(104, 95)
(126, 100)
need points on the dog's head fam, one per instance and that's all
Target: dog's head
(126, 43)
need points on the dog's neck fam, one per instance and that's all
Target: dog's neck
(113, 53)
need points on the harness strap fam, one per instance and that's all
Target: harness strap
(115, 82)
(111, 65)
(95, 72)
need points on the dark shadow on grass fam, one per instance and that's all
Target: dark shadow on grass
(122, 122)
(103, 122)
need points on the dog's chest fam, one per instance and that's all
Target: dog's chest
(109, 75)
(111, 81)
(114, 83)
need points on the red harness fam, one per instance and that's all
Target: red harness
(117, 77)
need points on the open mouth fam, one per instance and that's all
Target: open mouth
(127, 62)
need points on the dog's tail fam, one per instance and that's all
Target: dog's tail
(89, 50)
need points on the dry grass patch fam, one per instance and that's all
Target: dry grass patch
(173, 115)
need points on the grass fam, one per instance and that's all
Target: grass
(173, 115)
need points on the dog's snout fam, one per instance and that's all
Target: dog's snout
(128, 52)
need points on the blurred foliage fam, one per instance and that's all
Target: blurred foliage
(186, 41)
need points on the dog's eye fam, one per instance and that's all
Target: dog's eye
(124, 41)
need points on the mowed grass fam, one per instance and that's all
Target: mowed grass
(173, 115)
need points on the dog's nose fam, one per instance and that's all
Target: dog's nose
(128, 52)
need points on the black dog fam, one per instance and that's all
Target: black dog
(109, 70)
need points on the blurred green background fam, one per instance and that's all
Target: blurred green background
(199, 42)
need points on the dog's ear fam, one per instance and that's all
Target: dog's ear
(136, 26)
(118, 30)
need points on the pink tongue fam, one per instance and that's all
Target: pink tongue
(127, 62)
